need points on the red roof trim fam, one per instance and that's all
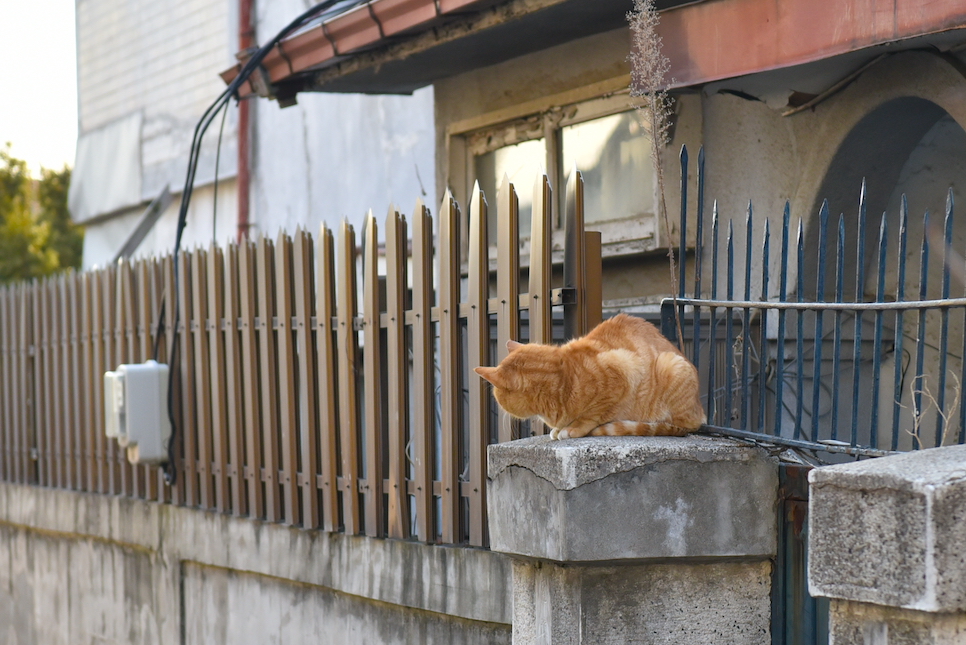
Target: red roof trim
(705, 41)
(398, 16)
(349, 32)
(720, 39)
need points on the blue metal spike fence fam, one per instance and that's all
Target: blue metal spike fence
(808, 365)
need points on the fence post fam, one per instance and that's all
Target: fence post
(507, 288)
(215, 279)
(574, 268)
(478, 350)
(668, 557)
(348, 345)
(202, 371)
(249, 360)
(233, 387)
(449, 352)
(308, 417)
(540, 322)
(327, 367)
(287, 395)
(6, 385)
(372, 379)
(397, 364)
(423, 373)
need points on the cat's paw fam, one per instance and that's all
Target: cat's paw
(563, 434)
(553, 433)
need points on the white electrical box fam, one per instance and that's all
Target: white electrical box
(136, 411)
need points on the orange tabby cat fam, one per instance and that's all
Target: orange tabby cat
(623, 378)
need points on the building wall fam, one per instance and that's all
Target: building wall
(899, 127)
(335, 156)
(754, 152)
(570, 72)
(147, 71)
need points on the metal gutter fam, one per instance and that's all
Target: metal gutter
(362, 27)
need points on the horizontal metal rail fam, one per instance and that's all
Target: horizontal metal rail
(907, 305)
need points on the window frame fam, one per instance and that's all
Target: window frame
(545, 118)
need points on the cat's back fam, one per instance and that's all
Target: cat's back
(630, 333)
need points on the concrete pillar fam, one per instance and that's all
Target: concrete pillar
(888, 547)
(635, 540)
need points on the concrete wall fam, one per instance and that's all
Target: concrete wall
(886, 548)
(658, 541)
(80, 568)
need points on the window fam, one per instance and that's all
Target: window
(601, 136)
(520, 162)
(614, 155)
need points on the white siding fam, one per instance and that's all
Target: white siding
(329, 157)
(335, 156)
(159, 59)
(162, 58)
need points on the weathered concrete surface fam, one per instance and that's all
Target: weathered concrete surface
(310, 615)
(891, 531)
(653, 540)
(653, 497)
(715, 603)
(86, 568)
(855, 623)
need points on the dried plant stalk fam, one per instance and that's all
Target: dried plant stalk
(649, 69)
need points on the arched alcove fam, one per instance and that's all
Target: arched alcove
(905, 146)
(876, 150)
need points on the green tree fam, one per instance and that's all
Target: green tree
(66, 237)
(37, 236)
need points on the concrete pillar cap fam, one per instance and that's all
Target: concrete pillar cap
(610, 499)
(889, 531)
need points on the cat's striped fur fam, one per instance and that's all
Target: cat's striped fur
(623, 378)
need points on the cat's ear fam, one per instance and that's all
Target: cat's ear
(512, 345)
(490, 374)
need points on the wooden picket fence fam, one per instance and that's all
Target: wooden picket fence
(293, 404)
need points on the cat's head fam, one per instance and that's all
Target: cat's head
(528, 381)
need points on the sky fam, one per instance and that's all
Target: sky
(38, 81)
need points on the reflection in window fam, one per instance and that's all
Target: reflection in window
(522, 163)
(614, 155)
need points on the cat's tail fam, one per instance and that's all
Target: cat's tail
(637, 428)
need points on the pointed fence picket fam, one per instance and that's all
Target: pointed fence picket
(292, 405)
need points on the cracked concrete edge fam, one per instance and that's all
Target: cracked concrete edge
(919, 472)
(572, 463)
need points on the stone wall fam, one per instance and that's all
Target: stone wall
(887, 548)
(666, 540)
(82, 568)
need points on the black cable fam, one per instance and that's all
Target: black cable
(171, 471)
(160, 331)
(214, 206)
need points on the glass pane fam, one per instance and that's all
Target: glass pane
(520, 162)
(614, 155)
